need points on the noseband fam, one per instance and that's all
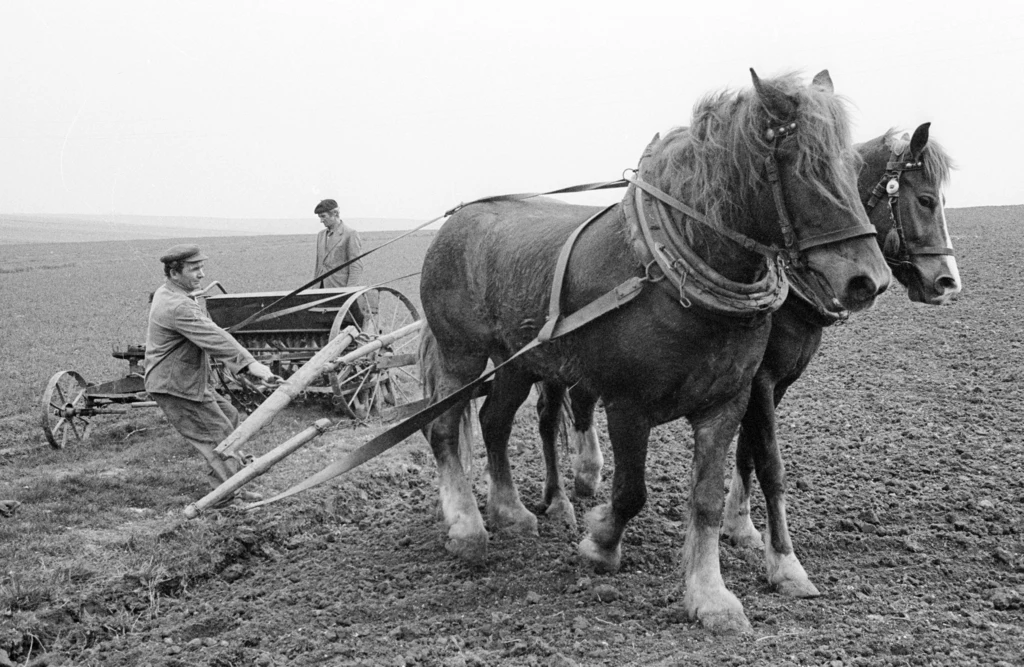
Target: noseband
(895, 247)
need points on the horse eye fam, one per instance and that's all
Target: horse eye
(927, 202)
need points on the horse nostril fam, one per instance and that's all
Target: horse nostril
(862, 289)
(946, 284)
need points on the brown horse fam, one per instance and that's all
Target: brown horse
(901, 184)
(767, 166)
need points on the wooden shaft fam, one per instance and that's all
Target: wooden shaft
(288, 390)
(257, 468)
(377, 343)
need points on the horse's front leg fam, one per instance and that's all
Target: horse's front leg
(583, 440)
(706, 598)
(549, 411)
(505, 511)
(628, 429)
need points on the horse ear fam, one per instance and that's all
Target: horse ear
(824, 81)
(919, 140)
(778, 103)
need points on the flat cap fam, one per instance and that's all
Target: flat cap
(183, 251)
(325, 206)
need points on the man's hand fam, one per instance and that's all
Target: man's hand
(262, 373)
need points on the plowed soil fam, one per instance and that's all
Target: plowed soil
(906, 502)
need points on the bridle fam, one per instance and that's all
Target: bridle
(795, 248)
(895, 248)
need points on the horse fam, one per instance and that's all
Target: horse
(911, 173)
(763, 170)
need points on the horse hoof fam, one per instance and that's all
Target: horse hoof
(472, 550)
(604, 561)
(586, 487)
(745, 540)
(520, 523)
(562, 512)
(797, 589)
(725, 622)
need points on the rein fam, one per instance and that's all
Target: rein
(895, 248)
(586, 187)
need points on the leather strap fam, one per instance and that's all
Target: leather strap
(665, 198)
(555, 303)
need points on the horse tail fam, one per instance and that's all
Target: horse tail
(431, 370)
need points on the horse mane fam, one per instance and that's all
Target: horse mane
(937, 165)
(717, 164)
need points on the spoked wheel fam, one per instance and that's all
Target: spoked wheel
(65, 409)
(389, 377)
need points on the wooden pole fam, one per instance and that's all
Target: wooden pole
(257, 468)
(288, 390)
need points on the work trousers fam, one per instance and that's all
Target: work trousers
(204, 425)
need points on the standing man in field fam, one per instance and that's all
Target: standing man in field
(335, 245)
(179, 343)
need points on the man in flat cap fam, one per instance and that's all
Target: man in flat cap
(179, 343)
(336, 244)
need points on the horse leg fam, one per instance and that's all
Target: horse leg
(784, 570)
(583, 440)
(706, 598)
(628, 430)
(737, 525)
(549, 410)
(467, 537)
(505, 511)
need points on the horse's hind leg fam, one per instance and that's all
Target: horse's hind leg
(758, 446)
(583, 440)
(628, 429)
(467, 537)
(737, 525)
(505, 511)
(549, 412)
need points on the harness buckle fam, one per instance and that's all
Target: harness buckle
(649, 276)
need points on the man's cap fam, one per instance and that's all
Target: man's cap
(325, 206)
(183, 251)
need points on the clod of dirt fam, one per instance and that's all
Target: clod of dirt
(606, 593)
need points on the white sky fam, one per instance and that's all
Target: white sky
(403, 109)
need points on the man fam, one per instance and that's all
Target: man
(336, 244)
(179, 343)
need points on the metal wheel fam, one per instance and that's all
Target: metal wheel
(65, 407)
(387, 378)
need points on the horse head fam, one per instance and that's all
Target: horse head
(831, 238)
(911, 176)
(776, 164)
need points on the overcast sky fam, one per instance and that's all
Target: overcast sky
(403, 109)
